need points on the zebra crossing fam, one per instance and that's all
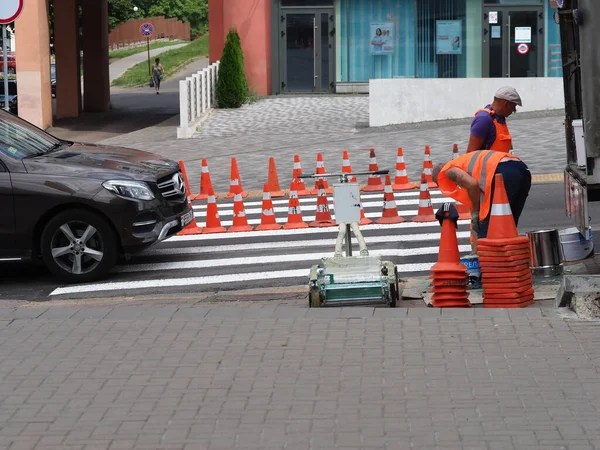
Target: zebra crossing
(267, 259)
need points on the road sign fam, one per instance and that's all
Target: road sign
(523, 49)
(147, 29)
(10, 10)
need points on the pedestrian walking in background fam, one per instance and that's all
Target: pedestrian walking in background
(157, 74)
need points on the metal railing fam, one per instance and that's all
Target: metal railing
(197, 96)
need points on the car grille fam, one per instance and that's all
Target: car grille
(172, 187)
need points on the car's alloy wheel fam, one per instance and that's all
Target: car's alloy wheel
(78, 246)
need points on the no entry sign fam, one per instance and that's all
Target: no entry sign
(147, 29)
(523, 49)
(10, 10)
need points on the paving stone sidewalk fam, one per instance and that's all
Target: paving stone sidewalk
(184, 376)
(284, 126)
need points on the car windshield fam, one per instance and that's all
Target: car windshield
(19, 139)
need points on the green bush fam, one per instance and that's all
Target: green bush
(232, 87)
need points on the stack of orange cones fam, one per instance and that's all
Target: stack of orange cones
(213, 222)
(390, 211)
(504, 257)
(302, 191)
(273, 181)
(321, 170)
(374, 183)
(235, 182)
(425, 212)
(192, 227)
(205, 183)
(428, 167)
(346, 167)
(449, 275)
(240, 221)
(267, 218)
(401, 182)
(323, 215)
(294, 219)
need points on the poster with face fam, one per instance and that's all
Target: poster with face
(382, 38)
(448, 37)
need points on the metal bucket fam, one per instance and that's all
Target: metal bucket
(546, 253)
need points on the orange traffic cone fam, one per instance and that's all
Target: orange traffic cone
(363, 219)
(235, 182)
(240, 221)
(205, 183)
(273, 181)
(425, 212)
(428, 168)
(294, 219)
(455, 151)
(374, 183)
(449, 274)
(302, 191)
(323, 215)
(346, 167)
(401, 182)
(267, 219)
(321, 170)
(390, 212)
(192, 227)
(213, 222)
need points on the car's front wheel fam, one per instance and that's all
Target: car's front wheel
(79, 246)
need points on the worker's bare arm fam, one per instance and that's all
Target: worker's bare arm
(466, 181)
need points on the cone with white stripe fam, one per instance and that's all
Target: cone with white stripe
(401, 182)
(235, 182)
(428, 168)
(240, 221)
(390, 211)
(294, 219)
(425, 212)
(346, 167)
(301, 188)
(323, 214)
(191, 228)
(267, 218)
(374, 183)
(213, 222)
(205, 182)
(363, 219)
(321, 170)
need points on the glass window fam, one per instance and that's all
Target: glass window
(19, 139)
(306, 2)
(513, 2)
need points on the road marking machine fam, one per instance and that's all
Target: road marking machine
(345, 279)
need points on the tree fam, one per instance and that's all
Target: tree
(232, 86)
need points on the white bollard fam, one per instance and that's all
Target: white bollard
(199, 94)
(184, 118)
(204, 93)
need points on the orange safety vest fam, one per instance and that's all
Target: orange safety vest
(503, 142)
(481, 165)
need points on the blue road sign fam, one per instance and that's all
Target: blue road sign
(147, 29)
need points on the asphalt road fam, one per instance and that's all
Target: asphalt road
(264, 260)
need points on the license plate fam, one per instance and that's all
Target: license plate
(187, 218)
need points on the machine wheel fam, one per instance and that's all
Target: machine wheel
(314, 298)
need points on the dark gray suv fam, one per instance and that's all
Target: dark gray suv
(78, 207)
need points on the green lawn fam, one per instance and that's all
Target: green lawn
(172, 61)
(133, 51)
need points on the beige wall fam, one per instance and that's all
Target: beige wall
(33, 63)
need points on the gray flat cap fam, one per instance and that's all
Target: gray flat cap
(510, 94)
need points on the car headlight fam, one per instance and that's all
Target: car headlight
(130, 189)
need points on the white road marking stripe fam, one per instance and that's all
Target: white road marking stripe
(245, 234)
(228, 211)
(213, 279)
(313, 199)
(270, 259)
(294, 244)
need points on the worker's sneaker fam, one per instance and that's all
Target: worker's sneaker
(473, 283)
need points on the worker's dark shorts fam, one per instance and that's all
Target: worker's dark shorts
(517, 181)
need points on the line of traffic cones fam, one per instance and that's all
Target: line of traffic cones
(504, 257)
(449, 275)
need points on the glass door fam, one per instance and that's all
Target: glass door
(513, 42)
(307, 50)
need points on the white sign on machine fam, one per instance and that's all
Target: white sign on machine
(9, 11)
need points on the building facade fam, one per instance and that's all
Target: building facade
(321, 46)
